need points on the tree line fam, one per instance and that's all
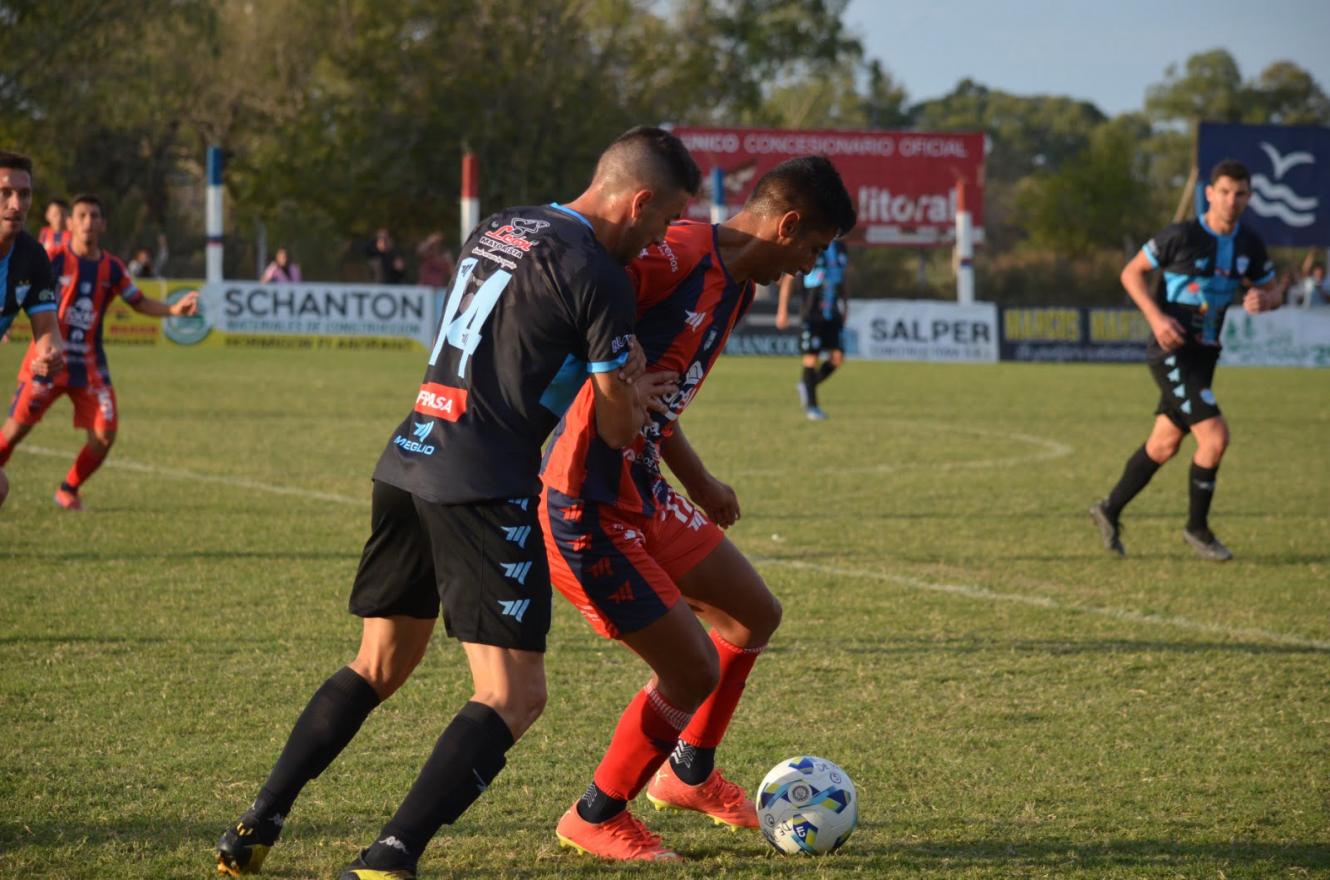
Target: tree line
(342, 116)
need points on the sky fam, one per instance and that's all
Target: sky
(1108, 52)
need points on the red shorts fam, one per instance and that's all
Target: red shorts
(617, 567)
(94, 406)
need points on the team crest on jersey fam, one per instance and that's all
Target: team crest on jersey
(1242, 264)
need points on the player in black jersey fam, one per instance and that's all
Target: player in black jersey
(539, 302)
(1205, 265)
(822, 322)
(26, 282)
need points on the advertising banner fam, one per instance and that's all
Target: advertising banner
(921, 330)
(1073, 334)
(903, 182)
(124, 326)
(1286, 337)
(1290, 177)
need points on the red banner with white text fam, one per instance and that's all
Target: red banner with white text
(903, 183)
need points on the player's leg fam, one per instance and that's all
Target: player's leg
(395, 594)
(1161, 445)
(810, 342)
(95, 410)
(4, 487)
(835, 357)
(493, 581)
(1211, 442)
(726, 592)
(26, 408)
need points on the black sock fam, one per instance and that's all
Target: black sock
(65, 487)
(596, 806)
(330, 720)
(467, 757)
(825, 370)
(692, 764)
(1140, 468)
(1201, 492)
(810, 385)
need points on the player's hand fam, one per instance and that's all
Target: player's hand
(187, 306)
(48, 359)
(654, 388)
(782, 319)
(1258, 300)
(1168, 332)
(718, 500)
(636, 364)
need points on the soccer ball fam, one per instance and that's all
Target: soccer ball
(807, 805)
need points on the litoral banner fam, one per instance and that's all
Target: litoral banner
(255, 315)
(903, 182)
(921, 330)
(1287, 337)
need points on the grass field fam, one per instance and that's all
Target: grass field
(1011, 701)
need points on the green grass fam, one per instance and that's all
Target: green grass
(1010, 700)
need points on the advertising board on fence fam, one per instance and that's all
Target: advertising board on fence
(1073, 334)
(1287, 337)
(903, 182)
(921, 330)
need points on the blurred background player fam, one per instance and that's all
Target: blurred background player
(56, 231)
(625, 547)
(26, 281)
(1205, 263)
(90, 278)
(540, 302)
(822, 315)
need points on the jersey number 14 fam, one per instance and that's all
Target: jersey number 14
(463, 331)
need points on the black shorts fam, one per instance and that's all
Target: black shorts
(822, 335)
(485, 562)
(1184, 379)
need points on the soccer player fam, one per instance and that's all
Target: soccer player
(625, 547)
(90, 278)
(1206, 263)
(539, 300)
(822, 316)
(25, 276)
(55, 234)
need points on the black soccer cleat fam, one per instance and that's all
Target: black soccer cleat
(1110, 530)
(358, 870)
(1206, 545)
(245, 844)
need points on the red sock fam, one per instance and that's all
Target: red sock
(84, 466)
(5, 450)
(712, 718)
(643, 739)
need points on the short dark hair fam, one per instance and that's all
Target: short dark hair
(61, 202)
(1230, 168)
(17, 161)
(810, 185)
(90, 199)
(647, 152)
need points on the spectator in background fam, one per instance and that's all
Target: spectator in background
(1311, 290)
(144, 265)
(281, 270)
(386, 265)
(56, 231)
(434, 262)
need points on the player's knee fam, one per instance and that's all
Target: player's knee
(769, 619)
(103, 437)
(519, 703)
(1161, 449)
(386, 671)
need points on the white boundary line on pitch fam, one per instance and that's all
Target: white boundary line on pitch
(987, 595)
(963, 590)
(194, 476)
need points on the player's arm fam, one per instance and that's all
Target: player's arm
(48, 348)
(621, 407)
(186, 306)
(1266, 291)
(1135, 279)
(717, 499)
(783, 302)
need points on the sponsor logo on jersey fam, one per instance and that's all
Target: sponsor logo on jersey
(420, 431)
(517, 535)
(514, 234)
(694, 319)
(441, 401)
(516, 571)
(669, 255)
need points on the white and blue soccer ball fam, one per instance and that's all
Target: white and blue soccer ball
(807, 805)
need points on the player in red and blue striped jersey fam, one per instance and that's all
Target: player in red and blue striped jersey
(89, 279)
(55, 234)
(625, 547)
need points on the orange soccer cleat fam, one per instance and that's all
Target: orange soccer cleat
(724, 801)
(68, 500)
(623, 838)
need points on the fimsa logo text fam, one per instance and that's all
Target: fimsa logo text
(419, 431)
